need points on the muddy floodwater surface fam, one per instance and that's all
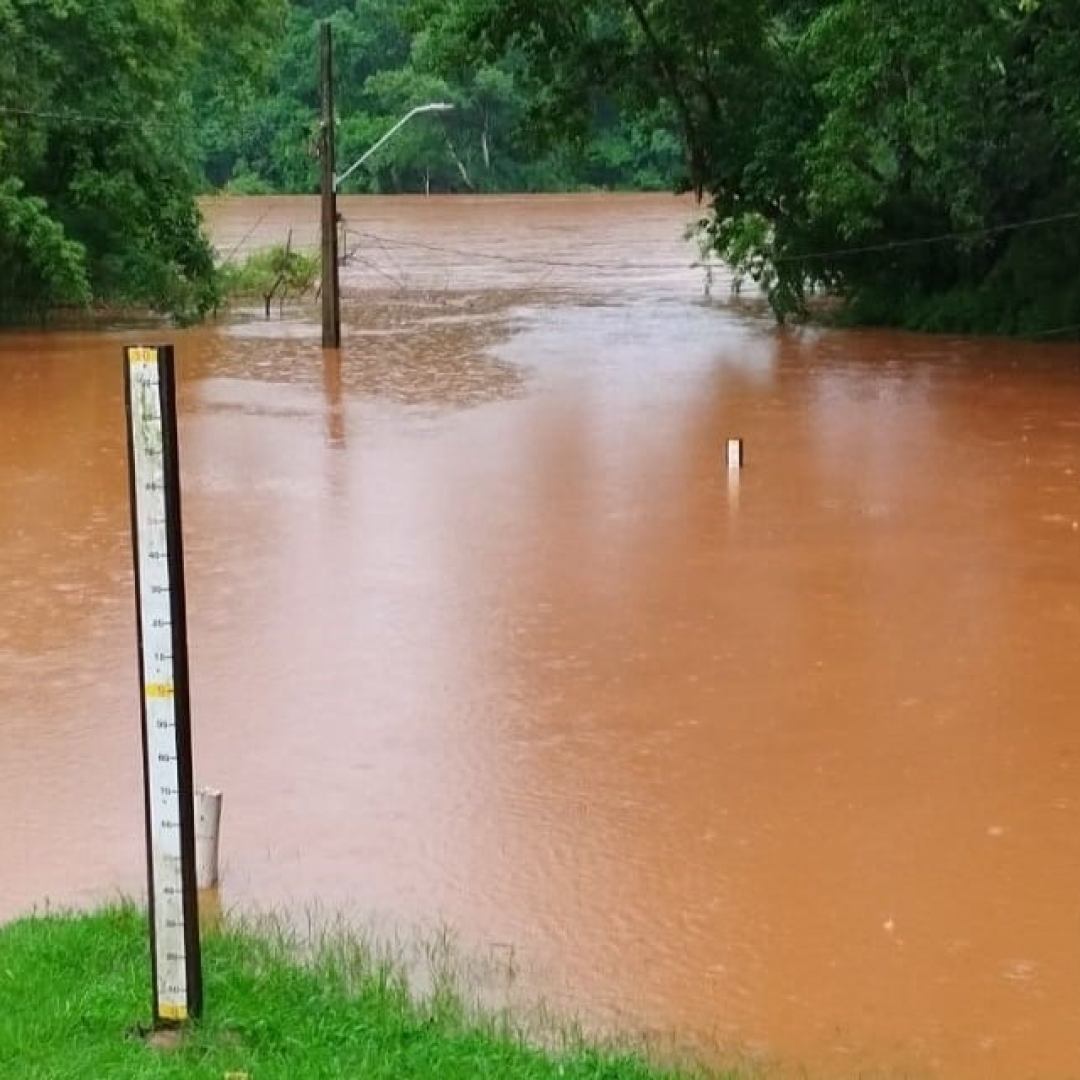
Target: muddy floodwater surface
(783, 763)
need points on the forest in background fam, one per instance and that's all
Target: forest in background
(389, 57)
(914, 160)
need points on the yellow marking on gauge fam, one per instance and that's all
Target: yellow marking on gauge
(160, 690)
(172, 1012)
(142, 355)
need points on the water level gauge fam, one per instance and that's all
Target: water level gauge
(166, 715)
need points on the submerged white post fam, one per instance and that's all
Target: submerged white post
(207, 831)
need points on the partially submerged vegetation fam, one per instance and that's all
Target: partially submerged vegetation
(913, 160)
(916, 160)
(98, 160)
(274, 274)
(76, 987)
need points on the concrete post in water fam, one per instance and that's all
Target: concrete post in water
(734, 454)
(207, 831)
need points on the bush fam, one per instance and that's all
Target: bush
(276, 272)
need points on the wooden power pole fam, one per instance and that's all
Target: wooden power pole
(331, 288)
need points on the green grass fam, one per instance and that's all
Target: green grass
(74, 990)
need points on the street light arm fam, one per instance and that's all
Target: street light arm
(435, 106)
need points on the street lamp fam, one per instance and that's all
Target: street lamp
(431, 106)
(331, 287)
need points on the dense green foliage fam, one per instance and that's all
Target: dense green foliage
(917, 158)
(388, 59)
(75, 990)
(97, 148)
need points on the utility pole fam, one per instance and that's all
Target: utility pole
(331, 288)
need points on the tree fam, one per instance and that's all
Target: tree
(389, 57)
(96, 127)
(939, 140)
(40, 267)
(676, 66)
(914, 158)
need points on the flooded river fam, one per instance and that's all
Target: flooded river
(483, 634)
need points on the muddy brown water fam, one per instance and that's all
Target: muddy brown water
(483, 634)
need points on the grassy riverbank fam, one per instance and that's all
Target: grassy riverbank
(74, 991)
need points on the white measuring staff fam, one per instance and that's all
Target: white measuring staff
(166, 731)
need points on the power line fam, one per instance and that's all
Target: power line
(1058, 331)
(970, 234)
(247, 236)
(86, 119)
(572, 264)
(866, 249)
(70, 118)
(558, 263)
(400, 279)
(614, 267)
